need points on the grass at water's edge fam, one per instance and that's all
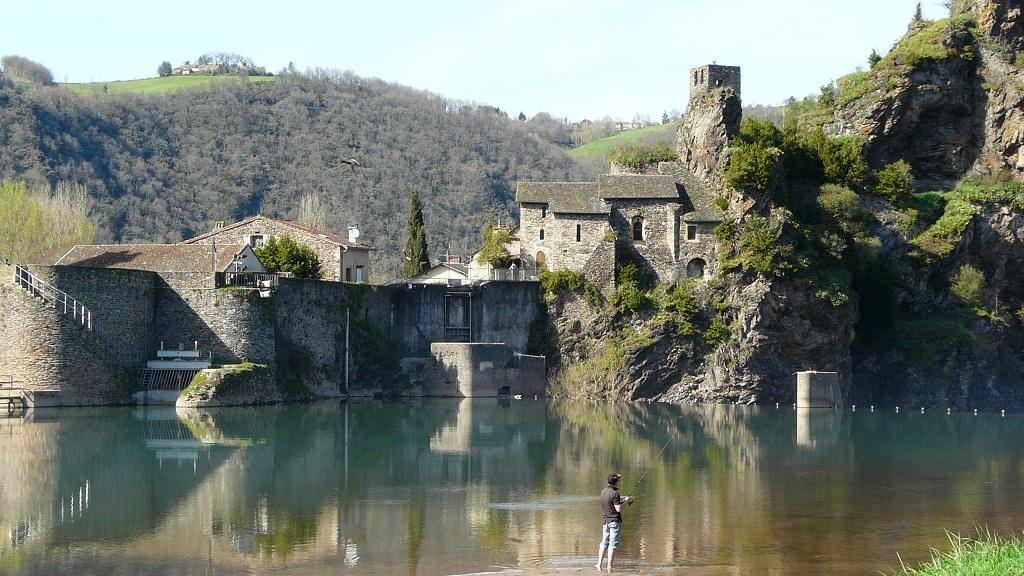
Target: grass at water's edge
(988, 554)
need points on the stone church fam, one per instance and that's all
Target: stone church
(661, 217)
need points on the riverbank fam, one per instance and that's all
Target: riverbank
(987, 554)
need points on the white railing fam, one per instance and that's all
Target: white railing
(49, 293)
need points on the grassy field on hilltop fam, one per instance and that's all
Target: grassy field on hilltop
(155, 86)
(594, 156)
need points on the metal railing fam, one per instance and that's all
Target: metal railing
(49, 293)
(505, 274)
(266, 280)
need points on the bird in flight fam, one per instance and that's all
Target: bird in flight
(352, 162)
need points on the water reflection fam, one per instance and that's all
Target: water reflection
(460, 486)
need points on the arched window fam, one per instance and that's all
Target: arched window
(579, 232)
(695, 268)
(541, 233)
(541, 259)
(637, 226)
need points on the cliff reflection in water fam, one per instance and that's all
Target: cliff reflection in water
(458, 486)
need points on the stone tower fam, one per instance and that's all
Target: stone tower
(704, 79)
(712, 117)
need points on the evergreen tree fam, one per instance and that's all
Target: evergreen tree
(286, 255)
(164, 69)
(415, 259)
(918, 16)
(522, 117)
(874, 58)
(664, 118)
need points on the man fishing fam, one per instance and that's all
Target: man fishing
(611, 527)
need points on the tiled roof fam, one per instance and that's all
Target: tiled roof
(152, 257)
(332, 238)
(698, 197)
(562, 197)
(637, 186)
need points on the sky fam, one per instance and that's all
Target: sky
(574, 59)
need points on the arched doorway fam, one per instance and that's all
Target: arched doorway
(695, 268)
(541, 259)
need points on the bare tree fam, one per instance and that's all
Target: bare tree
(312, 211)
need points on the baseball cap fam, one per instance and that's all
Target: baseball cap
(614, 477)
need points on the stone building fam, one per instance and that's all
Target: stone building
(663, 220)
(342, 259)
(661, 217)
(173, 262)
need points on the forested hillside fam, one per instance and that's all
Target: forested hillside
(164, 168)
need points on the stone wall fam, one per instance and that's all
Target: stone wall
(499, 312)
(712, 77)
(47, 350)
(660, 235)
(309, 320)
(704, 248)
(233, 324)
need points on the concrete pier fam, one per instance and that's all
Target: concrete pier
(818, 390)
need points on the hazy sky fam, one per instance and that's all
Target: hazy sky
(571, 58)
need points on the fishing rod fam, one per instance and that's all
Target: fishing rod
(657, 458)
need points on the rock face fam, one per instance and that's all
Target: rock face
(932, 116)
(1000, 20)
(233, 385)
(702, 138)
(951, 356)
(947, 116)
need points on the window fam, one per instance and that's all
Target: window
(637, 226)
(544, 212)
(579, 232)
(348, 274)
(359, 274)
(691, 232)
(257, 240)
(541, 233)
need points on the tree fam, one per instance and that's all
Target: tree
(312, 211)
(164, 69)
(754, 168)
(36, 226)
(664, 118)
(285, 255)
(969, 286)
(415, 260)
(28, 69)
(522, 117)
(494, 246)
(873, 59)
(918, 16)
(895, 182)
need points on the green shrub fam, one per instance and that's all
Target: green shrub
(754, 168)
(494, 246)
(1018, 61)
(629, 297)
(855, 86)
(640, 156)
(681, 303)
(840, 203)
(716, 332)
(895, 182)
(941, 238)
(927, 45)
(757, 247)
(969, 286)
(842, 159)
(554, 282)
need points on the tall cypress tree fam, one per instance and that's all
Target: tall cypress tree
(416, 260)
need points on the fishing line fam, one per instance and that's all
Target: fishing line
(639, 483)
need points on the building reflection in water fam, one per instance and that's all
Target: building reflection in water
(460, 486)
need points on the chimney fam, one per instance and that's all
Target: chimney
(218, 224)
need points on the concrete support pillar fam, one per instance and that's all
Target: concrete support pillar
(818, 390)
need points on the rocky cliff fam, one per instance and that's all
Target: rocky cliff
(947, 98)
(909, 329)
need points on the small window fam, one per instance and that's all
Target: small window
(541, 233)
(638, 229)
(544, 212)
(691, 232)
(257, 240)
(579, 232)
(348, 274)
(359, 274)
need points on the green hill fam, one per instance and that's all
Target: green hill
(594, 156)
(156, 86)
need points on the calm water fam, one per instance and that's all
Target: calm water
(457, 487)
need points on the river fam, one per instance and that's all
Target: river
(431, 487)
